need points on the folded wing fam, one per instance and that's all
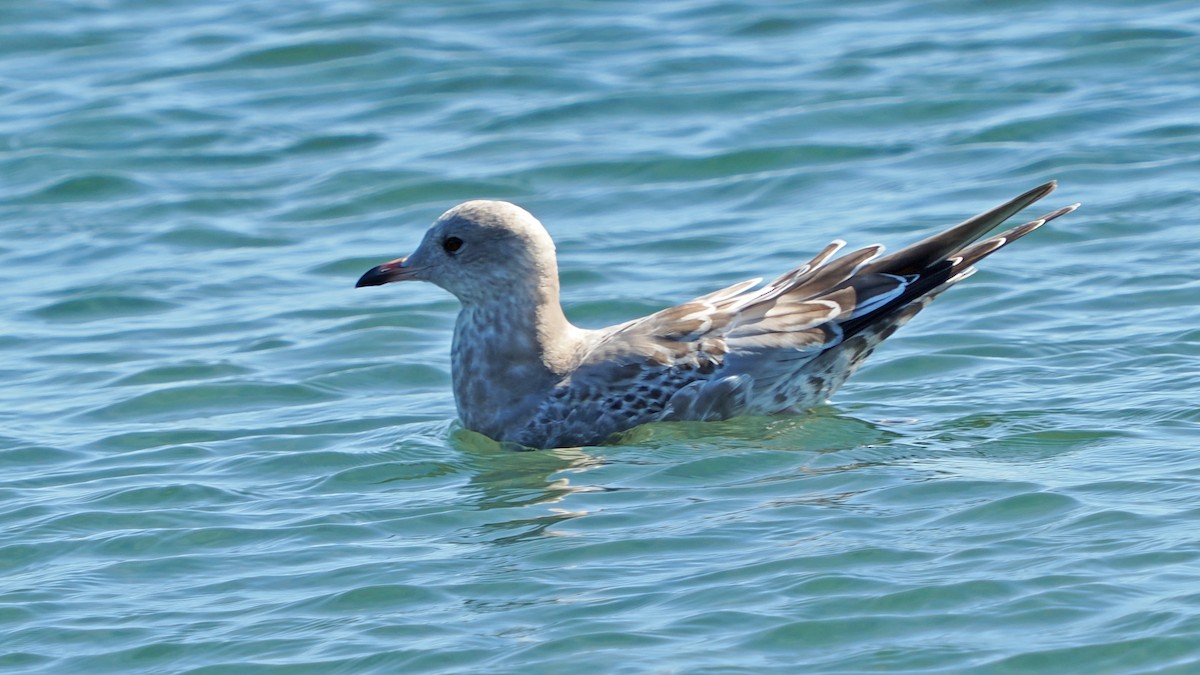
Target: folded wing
(747, 348)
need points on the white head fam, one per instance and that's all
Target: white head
(480, 251)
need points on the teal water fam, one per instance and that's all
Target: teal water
(217, 456)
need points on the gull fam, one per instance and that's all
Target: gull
(522, 373)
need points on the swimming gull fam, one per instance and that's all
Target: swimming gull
(523, 373)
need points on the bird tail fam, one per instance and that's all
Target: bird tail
(916, 258)
(936, 263)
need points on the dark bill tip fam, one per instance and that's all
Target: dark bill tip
(376, 276)
(395, 270)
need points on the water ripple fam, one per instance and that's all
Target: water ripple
(220, 456)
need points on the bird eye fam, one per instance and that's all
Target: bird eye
(452, 244)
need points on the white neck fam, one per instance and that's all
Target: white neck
(524, 344)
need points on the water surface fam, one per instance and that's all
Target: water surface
(218, 456)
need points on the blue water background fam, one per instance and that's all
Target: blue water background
(217, 456)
